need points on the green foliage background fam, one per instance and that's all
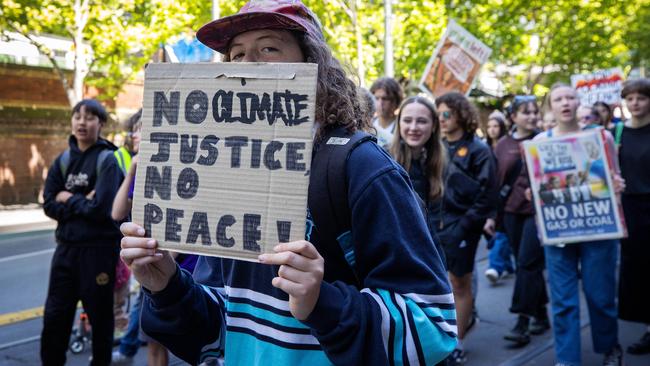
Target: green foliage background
(558, 38)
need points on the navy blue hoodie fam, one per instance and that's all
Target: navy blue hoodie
(402, 314)
(82, 221)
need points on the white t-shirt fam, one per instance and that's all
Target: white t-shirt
(384, 135)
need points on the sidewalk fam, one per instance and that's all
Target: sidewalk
(24, 219)
(484, 345)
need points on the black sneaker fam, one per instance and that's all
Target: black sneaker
(641, 347)
(456, 358)
(539, 326)
(519, 334)
(614, 357)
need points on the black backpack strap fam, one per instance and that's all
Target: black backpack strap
(328, 186)
(64, 161)
(101, 158)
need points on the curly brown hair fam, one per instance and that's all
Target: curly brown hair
(465, 112)
(337, 101)
(436, 154)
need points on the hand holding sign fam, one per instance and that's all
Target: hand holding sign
(151, 267)
(300, 274)
(225, 156)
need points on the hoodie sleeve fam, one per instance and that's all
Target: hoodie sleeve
(404, 313)
(106, 186)
(55, 183)
(484, 166)
(178, 315)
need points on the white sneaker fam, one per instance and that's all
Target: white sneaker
(492, 275)
(118, 358)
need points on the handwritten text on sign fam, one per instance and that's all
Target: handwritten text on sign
(225, 156)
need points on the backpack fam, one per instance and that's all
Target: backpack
(64, 161)
(329, 165)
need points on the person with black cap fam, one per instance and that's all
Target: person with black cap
(329, 299)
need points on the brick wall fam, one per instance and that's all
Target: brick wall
(35, 125)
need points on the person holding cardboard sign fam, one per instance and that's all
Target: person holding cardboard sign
(594, 262)
(335, 297)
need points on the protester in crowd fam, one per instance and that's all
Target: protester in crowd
(594, 262)
(123, 156)
(495, 129)
(606, 114)
(500, 263)
(634, 157)
(469, 199)
(418, 148)
(305, 304)
(588, 117)
(157, 354)
(130, 341)
(529, 297)
(548, 121)
(389, 95)
(79, 191)
(368, 102)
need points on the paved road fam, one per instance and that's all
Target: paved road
(24, 271)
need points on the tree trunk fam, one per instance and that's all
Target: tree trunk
(81, 13)
(361, 71)
(389, 69)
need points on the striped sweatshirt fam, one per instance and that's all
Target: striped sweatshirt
(401, 311)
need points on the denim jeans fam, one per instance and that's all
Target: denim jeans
(595, 264)
(500, 256)
(130, 342)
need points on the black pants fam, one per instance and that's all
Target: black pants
(633, 302)
(529, 296)
(86, 274)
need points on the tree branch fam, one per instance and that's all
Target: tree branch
(45, 51)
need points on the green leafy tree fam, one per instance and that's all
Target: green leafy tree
(544, 41)
(112, 39)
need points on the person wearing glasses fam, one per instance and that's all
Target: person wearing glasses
(529, 297)
(469, 198)
(588, 117)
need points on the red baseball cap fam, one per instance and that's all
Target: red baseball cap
(260, 14)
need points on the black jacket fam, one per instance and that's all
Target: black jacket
(82, 221)
(470, 184)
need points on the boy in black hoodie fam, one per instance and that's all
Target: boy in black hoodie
(79, 192)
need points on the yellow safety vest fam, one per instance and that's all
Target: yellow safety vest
(123, 157)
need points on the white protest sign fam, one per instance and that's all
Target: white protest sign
(599, 86)
(455, 63)
(572, 188)
(225, 156)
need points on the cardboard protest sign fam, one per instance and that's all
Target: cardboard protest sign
(455, 63)
(225, 156)
(573, 189)
(599, 86)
